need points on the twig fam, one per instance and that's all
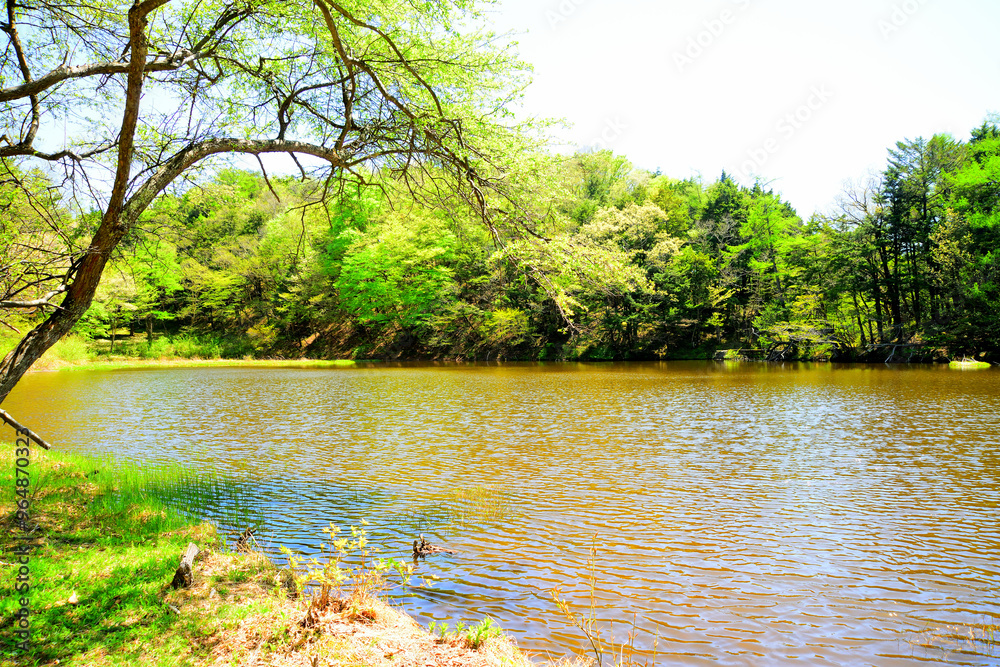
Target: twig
(23, 430)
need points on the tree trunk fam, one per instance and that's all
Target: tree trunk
(79, 295)
(857, 312)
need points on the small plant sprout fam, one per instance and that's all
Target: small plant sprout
(479, 634)
(587, 623)
(369, 577)
(624, 655)
(473, 637)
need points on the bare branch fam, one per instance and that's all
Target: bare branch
(35, 303)
(62, 73)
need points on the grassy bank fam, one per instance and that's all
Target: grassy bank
(75, 352)
(104, 548)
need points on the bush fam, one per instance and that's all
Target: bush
(71, 348)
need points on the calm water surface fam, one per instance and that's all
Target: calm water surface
(746, 514)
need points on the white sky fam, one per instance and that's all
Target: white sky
(625, 75)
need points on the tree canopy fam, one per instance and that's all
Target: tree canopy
(121, 100)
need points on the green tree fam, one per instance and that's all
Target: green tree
(400, 277)
(390, 86)
(968, 244)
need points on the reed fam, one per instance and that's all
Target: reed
(104, 542)
(170, 489)
(620, 654)
(479, 504)
(970, 638)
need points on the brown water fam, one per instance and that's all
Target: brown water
(746, 514)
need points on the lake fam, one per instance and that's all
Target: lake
(738, 513)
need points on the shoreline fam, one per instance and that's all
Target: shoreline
(102, 554)
(51, 366)
(131, 363)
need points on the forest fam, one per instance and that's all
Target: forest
(424, 217)
(623, 264)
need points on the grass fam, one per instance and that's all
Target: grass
(176, 488)
(78, 353)
(981, 638)
(968, 364)
(105, 542)
(104, 551)
(474, 637)
(476, 506)
(623, 654)
(119, 364)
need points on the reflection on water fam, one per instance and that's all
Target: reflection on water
(747, 514)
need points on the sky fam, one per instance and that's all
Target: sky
(800, 94)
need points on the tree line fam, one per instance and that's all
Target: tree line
(425, 219)
(627, 264)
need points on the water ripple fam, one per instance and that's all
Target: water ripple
(744, 514)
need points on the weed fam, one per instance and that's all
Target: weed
(112, 547)
(238, 576)
(481, 503)
(368, 578)
(476, 505)
(478, 635)
(441, 630)
(587, 623)
(975, 638)
(473, 637)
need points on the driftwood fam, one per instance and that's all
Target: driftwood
(421, 548)
(184, 576)
(23, 430)
(898, 353)
(244, 540)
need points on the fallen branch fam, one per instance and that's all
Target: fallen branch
(23, 430)
(184, 576)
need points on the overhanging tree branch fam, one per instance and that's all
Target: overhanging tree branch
(357, 94)
(63, 73)
(42, 302)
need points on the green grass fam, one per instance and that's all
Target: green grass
(119, 364)
(183, 350)
(474, 506)
(112, 539)
(969, 364)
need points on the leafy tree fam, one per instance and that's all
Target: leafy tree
(36, 240)
(917, 194)
(402, 276)
(968, 244)
(386, 86)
